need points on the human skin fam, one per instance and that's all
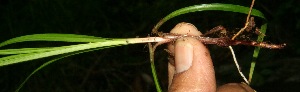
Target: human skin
(193, 68)
(190, 67)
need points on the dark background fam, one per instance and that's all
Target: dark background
(127, 68)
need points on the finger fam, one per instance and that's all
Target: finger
(180, 28)
(192, 69)
(235, 87)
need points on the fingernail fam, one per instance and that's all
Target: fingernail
(183, 55)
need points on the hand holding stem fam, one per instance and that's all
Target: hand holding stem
(191, 69)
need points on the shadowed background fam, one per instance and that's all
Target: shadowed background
(127, 68)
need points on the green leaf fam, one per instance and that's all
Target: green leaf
(53, 37)
(25, 50)
(49, 62)
(209, 7)
(153, 70)
(37, 53)
(260, 38)
(26, 54)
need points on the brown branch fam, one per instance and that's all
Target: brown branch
(225, 41)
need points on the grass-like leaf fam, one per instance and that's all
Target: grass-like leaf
(26, 54)
(49, 62)
(46, 52)
(209, 7)
(53, 37)
(26, 50)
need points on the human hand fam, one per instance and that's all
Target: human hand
(191, 68)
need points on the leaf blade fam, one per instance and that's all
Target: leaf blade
(60, 50)
(53, 37)
(209, 7)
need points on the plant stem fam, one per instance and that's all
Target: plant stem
(151, 51)
(145, 40)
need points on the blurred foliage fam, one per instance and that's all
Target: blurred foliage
(127, 68)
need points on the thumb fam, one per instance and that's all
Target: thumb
(191, 69)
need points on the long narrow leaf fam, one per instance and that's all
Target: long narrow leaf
(27, 50)
(256, 51)
(209, 7)
(49, 62)
(26, 54)
(53, 37)
(57, 51)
